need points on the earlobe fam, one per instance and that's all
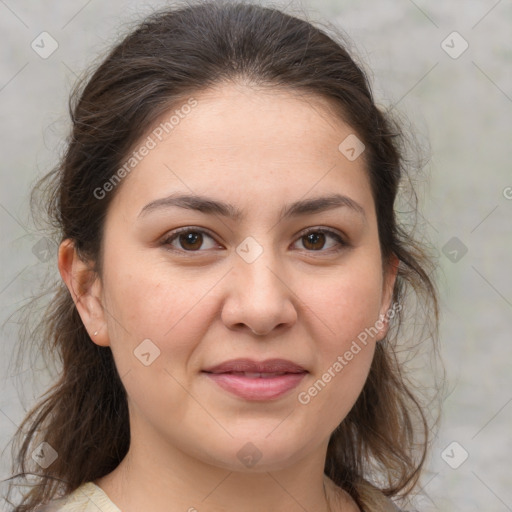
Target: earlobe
(84, 286)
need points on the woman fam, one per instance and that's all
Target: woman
(233, 280)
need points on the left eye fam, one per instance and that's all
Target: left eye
(318, 236)
(191, 239)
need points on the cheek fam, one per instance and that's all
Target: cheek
(347, 304)
(154, 328)
(151, 301)
(347, 311)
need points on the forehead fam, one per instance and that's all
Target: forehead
(238, 117)
(247, 144)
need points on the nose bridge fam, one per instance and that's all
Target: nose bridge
(259, 298)
(257, 267)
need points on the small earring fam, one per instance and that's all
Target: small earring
(95, 333)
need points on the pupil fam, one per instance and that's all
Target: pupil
(313, 238)
(191, 238)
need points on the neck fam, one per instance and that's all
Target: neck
(148, 480)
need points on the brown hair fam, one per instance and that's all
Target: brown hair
(381, 446)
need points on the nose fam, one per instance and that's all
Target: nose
(260, 296)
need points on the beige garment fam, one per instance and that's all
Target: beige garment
(91, 498)
(88, 497)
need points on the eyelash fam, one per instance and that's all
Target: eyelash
(190, 229)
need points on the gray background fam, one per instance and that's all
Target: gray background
(460, 106)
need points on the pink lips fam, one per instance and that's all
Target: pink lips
(254, 380)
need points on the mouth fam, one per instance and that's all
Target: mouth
(254, 369)
(255, 375)
(256, 380)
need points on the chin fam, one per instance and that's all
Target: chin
(258, 454)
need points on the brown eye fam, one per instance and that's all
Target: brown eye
(188, 240)
(191, 240)
(315, 240)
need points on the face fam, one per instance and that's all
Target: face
(306, 286)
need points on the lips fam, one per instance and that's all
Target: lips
(255, 369)
(257, 381)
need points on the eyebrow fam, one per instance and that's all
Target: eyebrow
(209, 205)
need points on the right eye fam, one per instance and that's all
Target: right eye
(190, 239)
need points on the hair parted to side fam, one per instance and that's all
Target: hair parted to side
(380, 448)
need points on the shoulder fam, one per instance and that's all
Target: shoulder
(88, 497)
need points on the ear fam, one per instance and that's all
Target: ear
(84, 285)
(388, 310)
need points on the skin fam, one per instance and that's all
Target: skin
(257, 150)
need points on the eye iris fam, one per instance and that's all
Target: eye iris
(191, 237)
(313, 238)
